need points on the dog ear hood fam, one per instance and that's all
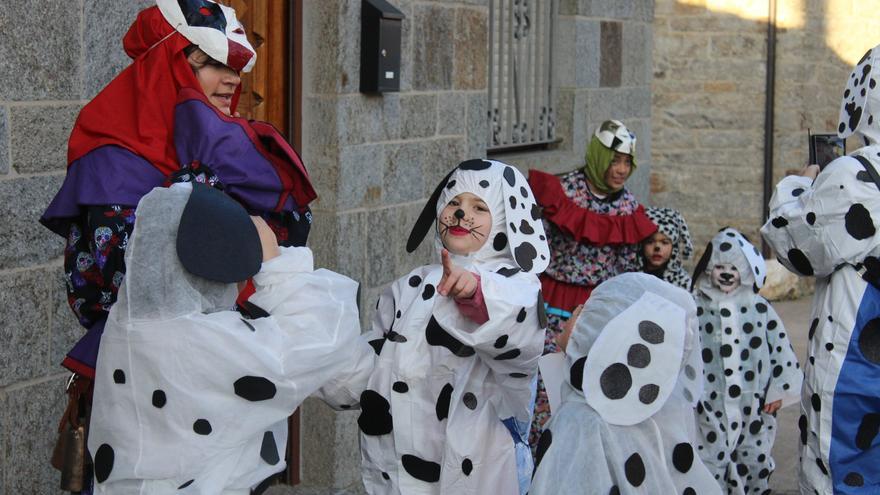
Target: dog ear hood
(517, 237)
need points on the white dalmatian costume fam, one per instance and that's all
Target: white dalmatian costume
(748, 362)
(435, 402)
(828, 229)
(626, 421)
(189, 397)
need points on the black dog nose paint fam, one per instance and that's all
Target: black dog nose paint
(459, 214)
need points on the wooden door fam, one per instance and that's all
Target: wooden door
(270, 92)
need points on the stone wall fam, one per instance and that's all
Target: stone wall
(709, 94)
(48, 70)
(376, 159)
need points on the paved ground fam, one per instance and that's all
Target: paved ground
(795, 316)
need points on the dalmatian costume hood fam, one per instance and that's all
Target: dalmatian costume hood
(189, 397)
(634, 362)
(671, 223)
(827, 228)
(442, 397)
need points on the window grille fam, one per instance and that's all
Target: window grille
(521, 92)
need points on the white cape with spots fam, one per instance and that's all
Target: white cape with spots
(626, 425)
(748, 362)
(827, 229)
(192, 399)
(433, 400)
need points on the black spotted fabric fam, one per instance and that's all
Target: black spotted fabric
(411, 391)
(441, 388)
(185, 394)
(861, 100)
(831, 234)
(635, 375)
(748, 362)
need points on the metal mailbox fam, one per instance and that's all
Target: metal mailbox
(380, 46)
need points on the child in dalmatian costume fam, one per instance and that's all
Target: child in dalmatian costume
(190, 398)
(662, 252)
(750, 369)
(625, 425)
(444, 386)
(827, 228)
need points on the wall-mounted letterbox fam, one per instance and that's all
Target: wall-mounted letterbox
(380, 46)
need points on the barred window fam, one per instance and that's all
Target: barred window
(521, 92)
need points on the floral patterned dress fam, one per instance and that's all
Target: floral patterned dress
(591, 240)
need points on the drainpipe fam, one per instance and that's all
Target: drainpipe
(769, 106)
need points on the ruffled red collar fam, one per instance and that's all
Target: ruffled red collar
(584, 225)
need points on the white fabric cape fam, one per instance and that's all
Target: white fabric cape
(192, 399)
(626, 425)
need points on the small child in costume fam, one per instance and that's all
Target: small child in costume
(190, 397)
(626, 425)
(444, 387)
(662, 253)
(750, 369)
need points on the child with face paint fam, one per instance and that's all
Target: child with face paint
(662, 252)
(444, 385)
(750, 369)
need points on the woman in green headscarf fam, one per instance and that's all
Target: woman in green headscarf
(594, 227)
(611, 158)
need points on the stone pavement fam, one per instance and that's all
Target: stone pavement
(795, 316)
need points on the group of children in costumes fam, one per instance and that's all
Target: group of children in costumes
(191, 396)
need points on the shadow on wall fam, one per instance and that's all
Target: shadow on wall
(709, 94)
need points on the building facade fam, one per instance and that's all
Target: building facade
(373, 158)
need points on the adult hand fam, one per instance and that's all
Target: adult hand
(772, 407)
(456, 281)
(810, 171)
(568, 327)
(267, 238)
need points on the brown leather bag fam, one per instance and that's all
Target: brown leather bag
(69, 454)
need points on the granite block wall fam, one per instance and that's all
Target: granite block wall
(55, 56)
(376, 158)
(708, 100)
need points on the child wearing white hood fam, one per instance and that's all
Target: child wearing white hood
(444, 387)
(626, 422)
(750, 369)
(190, 397)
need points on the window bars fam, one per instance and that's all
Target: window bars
(521, 92)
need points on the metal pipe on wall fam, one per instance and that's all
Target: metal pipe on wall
(769, 107)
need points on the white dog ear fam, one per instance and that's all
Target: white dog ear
(857, 109)
(525, 230)
(634, 365)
